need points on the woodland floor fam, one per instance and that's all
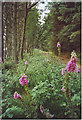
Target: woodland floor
(65, 56)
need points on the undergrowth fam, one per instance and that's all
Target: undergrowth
(45, 83)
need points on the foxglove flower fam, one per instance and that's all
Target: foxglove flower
(71, 66)
(48, 60)
(78, 70)
(58, 44)
(26, 63)
(51, 116)
(0, 60)
(41, 109)
(63, 89)
(16, 95)
(23, 81)
(73, 59)
(63, 71)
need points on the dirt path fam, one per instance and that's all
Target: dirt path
(65, 57)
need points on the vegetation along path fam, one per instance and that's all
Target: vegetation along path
(65, 56)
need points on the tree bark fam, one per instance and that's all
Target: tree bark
(15, 33)
(2, 36)
(24, 30)
(6, 40)
(27, 10)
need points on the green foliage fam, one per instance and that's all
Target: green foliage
(8, 64)
(62, 24)
(32, 29)
(69, 35)
(45, 79)
(44, 88)
(14, 112)
(49, 94)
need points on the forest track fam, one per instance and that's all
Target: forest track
(65, 56)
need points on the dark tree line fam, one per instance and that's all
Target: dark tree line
(62, 24)
(14, 28)
(22, 29)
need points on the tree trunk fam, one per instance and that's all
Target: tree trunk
(24, 31)
(2, 34)
(6, 40)
(27, 10)
(0, 29)
(15, 32)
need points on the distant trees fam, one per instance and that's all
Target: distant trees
(32, 28)
(23, 31)
(14, 28)
(63, 24)
(28, 7)
(13, 17)
(70, 13)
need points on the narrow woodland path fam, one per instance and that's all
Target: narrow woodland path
(65, 56)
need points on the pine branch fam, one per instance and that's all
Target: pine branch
(33, 5)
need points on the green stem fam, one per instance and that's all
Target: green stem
(28, 94)
(59, 53)
(68, 97)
